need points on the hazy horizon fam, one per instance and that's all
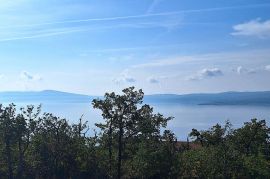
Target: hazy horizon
(52, 90)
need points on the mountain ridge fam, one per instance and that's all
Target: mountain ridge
(222, 98)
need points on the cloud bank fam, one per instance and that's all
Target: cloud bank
(255, 28)
(206, 73)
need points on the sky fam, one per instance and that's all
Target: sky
(162, 46)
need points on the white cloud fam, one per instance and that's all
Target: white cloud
(241, 70)
(29, 77)
(211, 72)
(206, 73)
(255, 28)
(267, 67)
(124, 78)
(153, 80)
(1, 76)
(129, 79)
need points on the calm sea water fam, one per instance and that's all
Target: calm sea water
(185, 117)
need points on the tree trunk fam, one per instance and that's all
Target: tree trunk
(20, 165)
(120, 149)
(8, 152)
(110, 150)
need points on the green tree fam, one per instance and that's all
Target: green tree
(7, 123)
(24, 128)
(128, 123)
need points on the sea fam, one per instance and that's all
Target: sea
(185, 117)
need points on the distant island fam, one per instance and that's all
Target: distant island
(259, 98)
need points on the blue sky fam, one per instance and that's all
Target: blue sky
(161, 46)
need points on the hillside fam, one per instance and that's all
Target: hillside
(44, 96)
(226, 98)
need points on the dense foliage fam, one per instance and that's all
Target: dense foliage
(132, 142)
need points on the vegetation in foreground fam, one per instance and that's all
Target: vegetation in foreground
(129, 144)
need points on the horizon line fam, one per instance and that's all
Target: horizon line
(75, 93)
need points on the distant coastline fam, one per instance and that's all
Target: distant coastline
(259, 98)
